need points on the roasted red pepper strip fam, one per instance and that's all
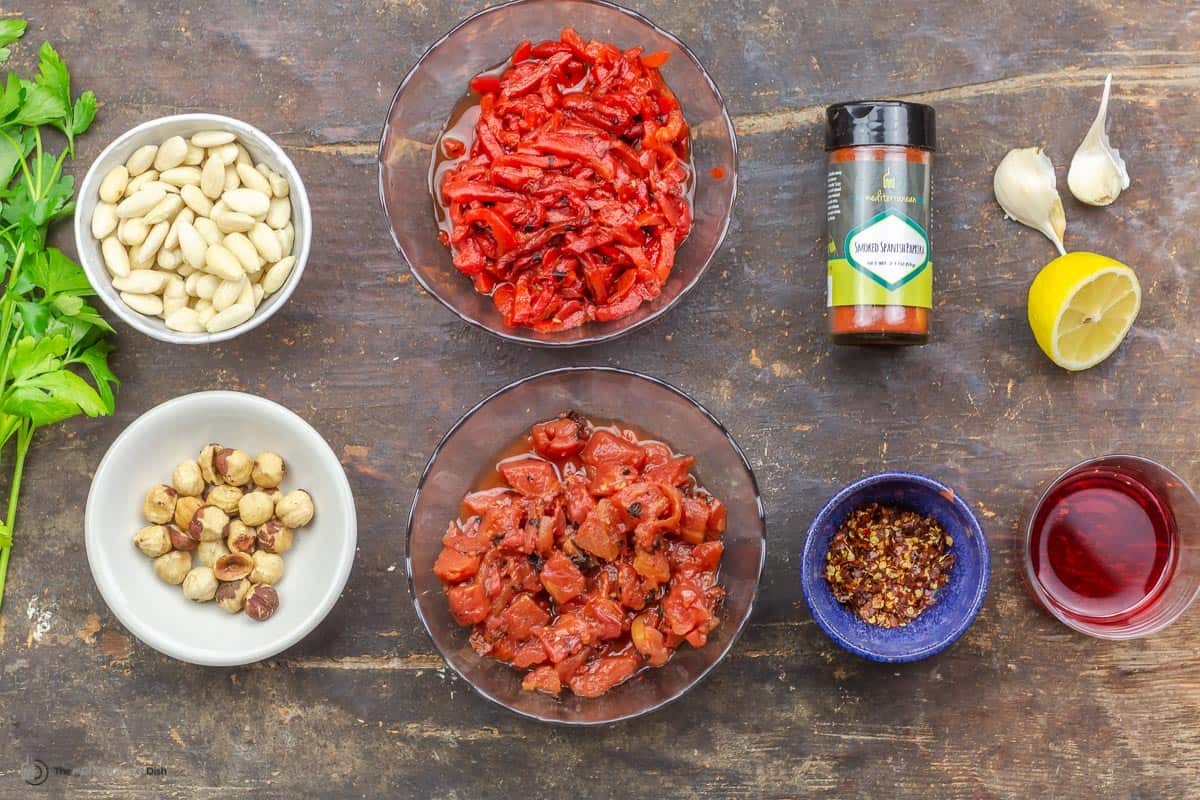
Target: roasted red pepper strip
(572, 198)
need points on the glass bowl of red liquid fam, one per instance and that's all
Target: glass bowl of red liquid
(1111, 547)
(472, 446)
(427, 99)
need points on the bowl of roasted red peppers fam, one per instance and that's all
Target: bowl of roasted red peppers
(579, 167)
(585, 545)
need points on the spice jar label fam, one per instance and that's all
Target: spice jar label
(884, 259)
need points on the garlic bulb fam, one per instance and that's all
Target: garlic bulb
(1098, 173)
(1025, 188)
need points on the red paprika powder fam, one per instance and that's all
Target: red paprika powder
(879, 257)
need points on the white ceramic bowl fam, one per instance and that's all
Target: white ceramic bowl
(262, 148)
(315, 568)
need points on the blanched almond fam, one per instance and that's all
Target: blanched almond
(132, 232)
(104, 220)
(232, 221)
(232, 181)
(266, 242)
(228, 293)
(148, 304)
(170, 153)
(279, 184)
(206, 287)
(227, 152)
(196, 200)
(181, 176)
(207, 139)
(209, 230)
(116, 258)
(195, 156)
(245, 252)
(112, 188)
(222, 263)
(253, 179)
(166, 210)
(142, 281)
(287, 238)
(141, 181)
(184, 320)
(141, 160)
(231, 317)
(184, 215)
(278, 274)
(247, 201)
(140, 203)
(279, 213)
(212, 177)
(192, 245)
(168, 259)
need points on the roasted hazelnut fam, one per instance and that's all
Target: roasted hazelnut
(255, 508)
(240, 537)
(200, 585)
(268, 568)
(268, 470)
(294, 509)
(207, 468)
(186, 479)
(274, 537)
(153, 540)
(160, 504)
(261, 602)
(173, 567)
(182, 539)
(231, 595)
(233, 566)
(234, 466)
(185, 509)
(209, 524)
(225, 498)
(208, 552)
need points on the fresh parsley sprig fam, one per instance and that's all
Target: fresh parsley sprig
(51, 339)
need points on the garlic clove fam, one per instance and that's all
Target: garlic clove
(1025, 188)
(1097, 174)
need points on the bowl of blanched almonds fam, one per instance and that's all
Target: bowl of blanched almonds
(193, 228)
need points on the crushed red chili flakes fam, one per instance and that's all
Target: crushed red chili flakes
(887, 563)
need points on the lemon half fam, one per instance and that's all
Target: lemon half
(1081, 307)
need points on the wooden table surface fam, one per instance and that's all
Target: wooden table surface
(1021, 707)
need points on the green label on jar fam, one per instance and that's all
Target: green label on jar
(879, 251)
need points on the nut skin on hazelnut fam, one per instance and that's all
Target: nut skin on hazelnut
(268, 568)
(173, 567)
(200, 585)
(295, 509)
(240, 537)
(233, 566)
(274, 537)
(234, 466)
(208, 524)
(208, 552)
(269, 470)
(207, 469)
(261, 602)
(255, 508)
(159, 507)
(187, 479)
(185, 509)
(225, 498)
(153, 540)
(182, 539)
(231, 595)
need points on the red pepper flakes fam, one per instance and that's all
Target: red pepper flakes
(886, 564)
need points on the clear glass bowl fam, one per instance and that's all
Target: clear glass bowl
(1182, 583)
(423, 104)
(661, 411)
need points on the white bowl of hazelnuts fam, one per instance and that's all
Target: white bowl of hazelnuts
(220, 528)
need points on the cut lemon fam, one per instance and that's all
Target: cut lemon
(1081, 306)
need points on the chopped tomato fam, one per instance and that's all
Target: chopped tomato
(530, 476)
(596, 557)
(562, 579)
(606, 447)
(655, 60)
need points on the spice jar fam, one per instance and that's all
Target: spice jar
(880, 273)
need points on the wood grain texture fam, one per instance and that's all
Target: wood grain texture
(1019, 708)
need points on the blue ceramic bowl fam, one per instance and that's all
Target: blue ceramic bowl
(958, 602)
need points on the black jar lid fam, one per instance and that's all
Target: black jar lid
(867, 122)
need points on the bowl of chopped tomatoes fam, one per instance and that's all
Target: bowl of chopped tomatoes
(585, 545)
(558, 172)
